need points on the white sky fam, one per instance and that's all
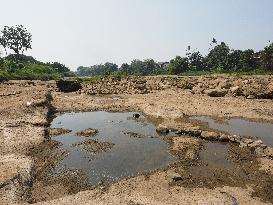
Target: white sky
(87, 32)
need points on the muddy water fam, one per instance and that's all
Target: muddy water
(129, 156)
(216, 166)
(213, 156)
(263, 131)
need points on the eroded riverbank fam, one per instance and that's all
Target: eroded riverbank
(246, 180)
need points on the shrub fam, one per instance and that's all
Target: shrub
(35, 71)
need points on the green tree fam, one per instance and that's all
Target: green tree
(247, 60)
(136, 67)
(196, 60)
(217, 58)
(125, 67)
(267, 57)
(242, 60)
(62, 69)
(234, 59)
(16, 38)
(178, 65)
(83, 71)
(150, 67)
(109, 68)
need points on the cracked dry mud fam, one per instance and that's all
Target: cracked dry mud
(209, 175)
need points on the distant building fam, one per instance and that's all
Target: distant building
(163, 64)
(258, 55)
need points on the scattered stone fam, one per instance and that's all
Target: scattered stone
(247, 141)
(263, 145)
(136, 115)
(255, 144)
(195, 133)
(210, 135)
(57, 131)
(268, 152)
(189, 131)
(162, 129)
(245, 81)
(235, 138)
(260, 152)
(87, 132)
(174, 177)
(223, 138)
(29, 104)
(242, 144)
(251, 97)
(216, 92)
(235, 90)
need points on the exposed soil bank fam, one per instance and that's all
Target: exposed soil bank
(25, 106)
(23, 125)
(259, 87)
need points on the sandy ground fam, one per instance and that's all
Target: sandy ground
(25, 113)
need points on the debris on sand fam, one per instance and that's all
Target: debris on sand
(87, 132)
(173, 176)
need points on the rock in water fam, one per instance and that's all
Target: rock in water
(162, 129)
(136, 115)
(87, 132)
(57, 131)
(210, 135)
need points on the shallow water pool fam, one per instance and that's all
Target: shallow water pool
(235, 126)
(129, 155)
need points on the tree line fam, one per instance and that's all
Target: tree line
(16, 65)
(221, 58)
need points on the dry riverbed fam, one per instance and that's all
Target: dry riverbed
(211, 167)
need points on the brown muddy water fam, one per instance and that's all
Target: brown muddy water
(128, 157)
(142, 151)
(235, 126)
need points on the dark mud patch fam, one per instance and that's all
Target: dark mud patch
(223, 164)
(67, 86)
(49, 185)
(54, 187)
(46, 156)
(94, 146)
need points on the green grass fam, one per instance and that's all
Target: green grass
(29, 72)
